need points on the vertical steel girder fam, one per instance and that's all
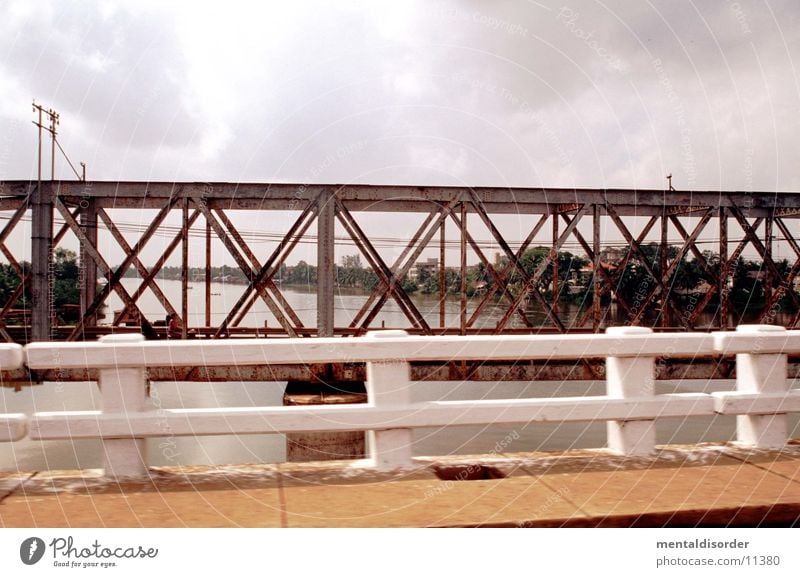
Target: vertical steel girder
(326, 262)
(41, 260)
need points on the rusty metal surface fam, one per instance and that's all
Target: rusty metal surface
(213, 202)
(227, 195)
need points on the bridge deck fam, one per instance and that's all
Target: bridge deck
(713, 485)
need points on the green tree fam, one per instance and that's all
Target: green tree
(66, 285)
(9, 281)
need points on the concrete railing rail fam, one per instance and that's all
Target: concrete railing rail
(630, 407)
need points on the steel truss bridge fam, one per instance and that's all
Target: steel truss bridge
(678, 222)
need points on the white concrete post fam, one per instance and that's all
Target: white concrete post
(761, 373)
(627, 378)
(13, 427)
(389, 385)
(123, 391)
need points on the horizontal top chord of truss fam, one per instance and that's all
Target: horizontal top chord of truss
(402, 198)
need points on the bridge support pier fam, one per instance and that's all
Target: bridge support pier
(327, 446)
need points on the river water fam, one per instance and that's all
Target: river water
(30, 455)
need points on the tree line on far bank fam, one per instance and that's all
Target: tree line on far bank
(575, 275)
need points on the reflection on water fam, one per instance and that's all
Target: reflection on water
(303, 301)
(30, 455)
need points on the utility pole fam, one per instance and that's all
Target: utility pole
(53, 117)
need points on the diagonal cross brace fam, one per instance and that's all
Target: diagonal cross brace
(268, 269)
(759, 246)
(379, 266)
(499, 281)
(113, 277)
(264, 281)
(635, 246)
(501, 277)
(537, 274)
(136, 263)
(400, 270)
(245, 268)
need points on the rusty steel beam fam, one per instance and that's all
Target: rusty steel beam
(18, 290)
(148, 278)
(596, 266)
(712, 276)
(610, 280)
(664, 277)
(184, 267)
(554, 284)
(242, 263)
(266, 196)
(724, 270)
(462, 306)
(41, 261)
(375, 193)
(688, 242)
(380, 268)
(270, 266)
(502, 276)
(114, 277)
(765, 255)
(768, 276)
(530, 282)
(786, 283)
(207, 285)
(684, 210)
(88, 220)
(261, 282)
(142, 270)
(500, 281)
(514, 262)
(635, 246)
(7, 229)
(326, 260)
(442, 273)
(401, 266)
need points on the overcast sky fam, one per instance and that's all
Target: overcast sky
(569, 93)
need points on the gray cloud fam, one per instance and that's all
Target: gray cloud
(571, 93)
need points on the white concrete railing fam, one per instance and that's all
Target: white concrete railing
(630, 407)
(12, 426)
